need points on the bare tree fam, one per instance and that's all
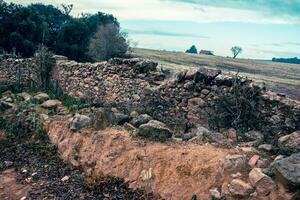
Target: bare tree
(108, 42)
(236, 50)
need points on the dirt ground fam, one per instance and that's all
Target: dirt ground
(172, 170)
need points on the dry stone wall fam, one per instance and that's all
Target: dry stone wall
(182, 101)
(18, 72)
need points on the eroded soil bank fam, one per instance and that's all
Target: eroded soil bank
(173, 170)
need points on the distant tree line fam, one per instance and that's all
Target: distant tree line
(23, 28)
(294, 60)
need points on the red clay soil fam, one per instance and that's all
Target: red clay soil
(10, 188)
(172, 170)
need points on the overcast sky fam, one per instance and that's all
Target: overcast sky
(264, 28)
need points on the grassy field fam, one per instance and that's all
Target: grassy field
(280, 77)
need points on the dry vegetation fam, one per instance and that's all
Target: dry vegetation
(280, 77)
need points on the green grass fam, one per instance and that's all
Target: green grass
(274, 74)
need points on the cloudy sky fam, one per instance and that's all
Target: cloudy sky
(264, 28)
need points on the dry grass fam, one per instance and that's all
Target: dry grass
(274, 74)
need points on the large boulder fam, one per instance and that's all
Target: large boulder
(264, 184)
(155, 130)
(288, 169)
(79, 121)
(141, 119)
(290, 143)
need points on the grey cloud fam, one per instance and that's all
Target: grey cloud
(164, 33)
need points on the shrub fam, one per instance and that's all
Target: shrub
(240, 108)
(108, 42)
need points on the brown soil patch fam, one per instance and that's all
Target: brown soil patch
(173, 170)
(9, 188)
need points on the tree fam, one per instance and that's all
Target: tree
(192, 49)
(107, 42)
(236, 50)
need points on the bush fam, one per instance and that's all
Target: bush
(108, 42)
(240, 109)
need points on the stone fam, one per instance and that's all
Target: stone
(215, 193)
(236, 175)
(130, 128)
(225, 189)
(240, 188)
(51, 104)
(180, 76)
(65, 178)
(232, 134)
(195, 103)
(155, 130)
(121, 118)
(218, 138)
(233, 163)
(202, 132)
(254, 136)
(289, 169)
(41, 97)
(141, 119)
(264, 184)
(79, 121)
(253, 160)
(290, 143)
(5, 105)
(134, 114)
(8, 163)
(205, 92)
(262, 163)
(25, 96)
(265, 147)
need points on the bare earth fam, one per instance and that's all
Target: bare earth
(280, 77)
(173, 170)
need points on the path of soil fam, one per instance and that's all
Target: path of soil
(175, 171)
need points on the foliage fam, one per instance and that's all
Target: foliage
(23, 28)
(192, 49)
(107, 42)
(45, 62)
(240, 109)
(294, 60)
(236, 50)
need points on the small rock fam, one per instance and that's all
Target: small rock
(290, 143)
(253, 160)
(240, 188)
(254, 136)
(155, 130)
(65, 178)
(225, 189)
(236, 175)
(79, 121)
(233, 163)
(41, 97)
(265, 147)
(8, 163)
(130, 128)
(263, 183)
(263, 163)
(5, 105)
(51, 104)
(25, 96)
(215, 193)
(134, 114)
(232, 134)
(205, 92)
(141, 119)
